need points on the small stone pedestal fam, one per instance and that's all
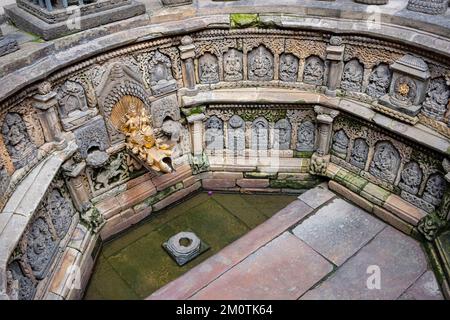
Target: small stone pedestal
(184, 247)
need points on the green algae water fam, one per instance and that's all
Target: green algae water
(135, 265)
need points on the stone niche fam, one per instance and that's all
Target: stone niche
(73, 107)
(92, 140)
(214, 137)
(233, 65)
(408, 87)
(260, 64)
(158, 73)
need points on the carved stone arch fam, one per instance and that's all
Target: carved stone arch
(119, 80)
(260, 134)
(233, 65)
(288, 70)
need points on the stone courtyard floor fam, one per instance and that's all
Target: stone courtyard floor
(318, 247)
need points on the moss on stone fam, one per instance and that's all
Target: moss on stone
(163, 194)
(244, 20)
(294, 184)
(303, 154)
(353, 182)
(194, 110)
(260, 175)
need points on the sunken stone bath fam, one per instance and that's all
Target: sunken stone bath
(148, 141)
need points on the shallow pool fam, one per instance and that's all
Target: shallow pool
(135, 265)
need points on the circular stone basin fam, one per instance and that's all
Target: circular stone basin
(183, 246)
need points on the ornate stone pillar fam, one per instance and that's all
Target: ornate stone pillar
(428, 6)
(46, 102)
(335, 56)
(7, 45)
(321, 157)
(74, 173)
(187, 50)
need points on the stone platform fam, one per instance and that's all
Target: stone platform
(318, 247)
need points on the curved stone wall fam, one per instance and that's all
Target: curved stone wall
(253, 109)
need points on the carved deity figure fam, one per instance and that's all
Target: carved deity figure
(236, 134)
(4, 179)
(260, 66)
(20, 287)
(232, 65)
(385, 162)
(437, 99)
(260, 134)
(340, 143)
(405, 90)
(160, 68)
(313, 71)
(352, 76)
(282, 134)
(359, 153)
(411, 178)
(40, 247)
(434, 189)
(306, 136)
(142, 142)
(288, 68)
(61, 211)
(208, 69)
(379, 81)
(17, 140)
(214, 134)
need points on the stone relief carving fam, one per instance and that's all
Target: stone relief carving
(411, 178)
(163, 109)
(114, 172)
(405, 90)
(379, 81)
(157, 72)
(233, 65)
(340, 143)
(260, 134)
(61, 211)
(214, 134)
(434, 190)
(236, 134)
(288, 67)
(385, 162)
(17, 140)
(435, 104)
(92, 137)
(20, 287)
(352, 76)
(283, 131)
(41, 246)
(4, 179)
(359, 154)
(208, 70)
(306, 136)
(71, 98)
(313, 71)
(260, 64)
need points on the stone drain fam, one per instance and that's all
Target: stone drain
(184, 247)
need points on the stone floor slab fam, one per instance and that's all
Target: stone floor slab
(200, 276)
(338, 230)
(399, 258)
(426, 288)
(316, 197)
(272, 272)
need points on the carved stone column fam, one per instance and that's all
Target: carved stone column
(335, 56)
(321, 157)
(187, 50)
(46, 102)
(428, 6)
(74, 173)
(199, 160)
(7, 45)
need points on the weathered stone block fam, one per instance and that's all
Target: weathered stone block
(375, 194)
(404, 210)
(393, 220)
(253, 183)
(350, 195)
(169, 179)
(176, 196)
(216, 184)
